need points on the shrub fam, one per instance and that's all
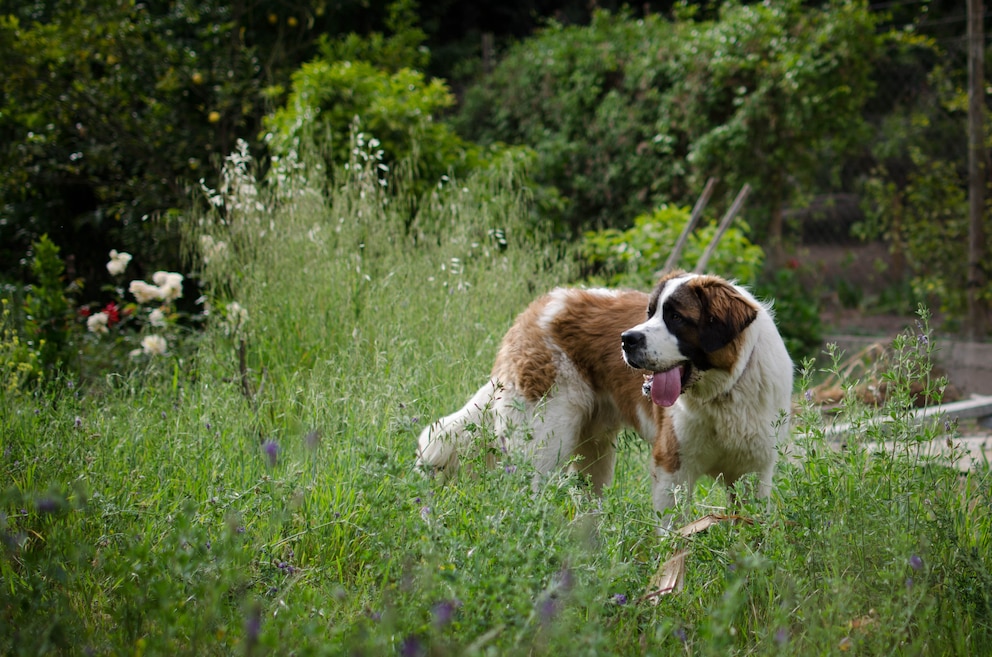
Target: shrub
(395, 112)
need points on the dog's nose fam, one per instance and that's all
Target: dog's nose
(632, 340)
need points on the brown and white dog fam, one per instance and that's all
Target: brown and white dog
(704, 376)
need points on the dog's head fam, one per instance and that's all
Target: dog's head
(693, 325)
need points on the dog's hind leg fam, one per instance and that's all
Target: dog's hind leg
(597, 460)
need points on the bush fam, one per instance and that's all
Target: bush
(330, 101)
(626, 114)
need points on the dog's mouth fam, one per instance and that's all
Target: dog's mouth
(665, 387)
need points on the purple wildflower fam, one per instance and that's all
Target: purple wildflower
(425, 513)
(444, 611)
(619, 599)
(915, 562)
(47, 504)
(679, 633)
(548, 609)
(782, 636)
(271, 449)
(79, 422)
(412, 647)
(253, 627)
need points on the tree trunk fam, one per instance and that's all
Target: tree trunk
(975, 326)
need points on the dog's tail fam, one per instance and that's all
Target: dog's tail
(441, 442)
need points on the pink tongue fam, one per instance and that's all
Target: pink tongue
(666, 386)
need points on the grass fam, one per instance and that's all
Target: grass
(193, 504)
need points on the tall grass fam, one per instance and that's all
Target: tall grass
(259, 497)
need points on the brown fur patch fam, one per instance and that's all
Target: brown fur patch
(524, 358)
(588, 330)
(723, 315)
(665, 450)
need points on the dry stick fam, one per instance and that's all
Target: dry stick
(697, 212)
(724, 224)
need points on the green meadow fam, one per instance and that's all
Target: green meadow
(252, 491)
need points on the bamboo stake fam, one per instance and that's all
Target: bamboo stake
(697, 212)
(724, 224)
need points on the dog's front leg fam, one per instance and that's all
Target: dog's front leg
(666, 487)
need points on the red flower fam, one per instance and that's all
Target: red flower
(113, 316)
(84, 312)
(793, 263)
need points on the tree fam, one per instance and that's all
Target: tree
(111, 109)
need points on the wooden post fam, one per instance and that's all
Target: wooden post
(975, 323)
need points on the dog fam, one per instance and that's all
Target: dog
(697, 368)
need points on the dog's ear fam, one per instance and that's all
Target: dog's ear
(725, 313)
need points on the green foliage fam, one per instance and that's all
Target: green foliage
(109, 111)
(48, 313)
(354, 108)
(588, 100)
(916, 196)
(625, 114)
(402, 46)
(397, 109)
(634, 257)
(770, 90)
(797, 310)
(106, 107)
(20, 365)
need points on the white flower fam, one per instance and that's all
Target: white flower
(118, 262)
(97, 323)
(157, 318)
(237, 317)
(154, 345)
(170, 284)
(211, 248)
(143, 292)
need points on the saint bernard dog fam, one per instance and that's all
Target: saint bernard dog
(697, 368)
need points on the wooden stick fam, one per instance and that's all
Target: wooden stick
(697, 212)
(724, 224)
